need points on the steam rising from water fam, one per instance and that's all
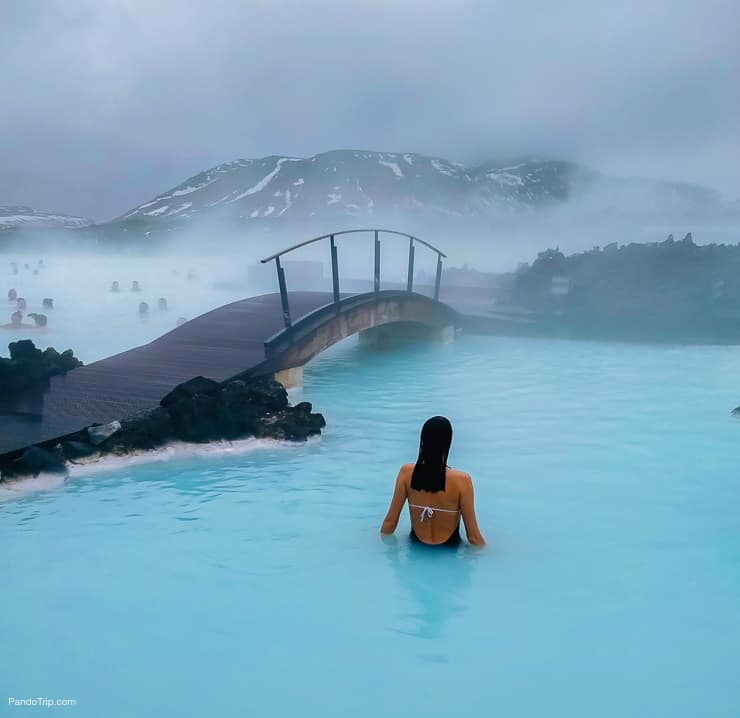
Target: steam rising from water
(206, 266)
(96, 322)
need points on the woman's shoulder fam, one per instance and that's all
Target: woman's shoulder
(458, 475)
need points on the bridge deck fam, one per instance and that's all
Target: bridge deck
(219, 344)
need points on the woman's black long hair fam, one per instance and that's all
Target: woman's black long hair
(434, 446)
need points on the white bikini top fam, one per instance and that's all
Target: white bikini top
(429, 511)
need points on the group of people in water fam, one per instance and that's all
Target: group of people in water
(135, 286)
(39, 265)
(40, 321)
(162, 304)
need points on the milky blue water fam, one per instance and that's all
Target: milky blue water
(255, 582)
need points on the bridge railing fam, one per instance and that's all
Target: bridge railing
(335, 264)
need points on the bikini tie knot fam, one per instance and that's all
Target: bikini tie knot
(426, 511)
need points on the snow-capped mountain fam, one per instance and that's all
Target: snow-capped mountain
(357, 183)
(353, 183)
(22, 216)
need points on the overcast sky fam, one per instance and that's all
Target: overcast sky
(106, 103)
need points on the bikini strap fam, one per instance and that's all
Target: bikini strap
(429, 511)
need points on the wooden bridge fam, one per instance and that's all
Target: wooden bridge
(271, 334)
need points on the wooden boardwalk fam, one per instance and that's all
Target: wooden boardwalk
(230, 341)
(219, 344)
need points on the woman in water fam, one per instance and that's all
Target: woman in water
(438, 496)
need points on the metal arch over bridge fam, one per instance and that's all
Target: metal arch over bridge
(371, 314)
(335, 264)
(251, 337)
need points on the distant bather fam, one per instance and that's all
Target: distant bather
(162, 303)
(39, 319)
(114, 287)
(16, 321)
(12, 295)
(143, 308)
(48, 303)
(21, 303)
(135, 286)
(181, 321)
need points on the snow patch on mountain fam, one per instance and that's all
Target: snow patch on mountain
(265, 180)
(506, 178)
(396, 169)
(23, 216)
(188, 190)
(288, 202)
(181, 208)
(443, 169)
(159, 210)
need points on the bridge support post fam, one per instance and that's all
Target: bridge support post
(446, 334)
(438, 279)
(334, 269)
(290, 378)
(410, 278)
(376, 282)
(283, 293)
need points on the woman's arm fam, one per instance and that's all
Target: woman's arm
(399, 499)
(467, 508)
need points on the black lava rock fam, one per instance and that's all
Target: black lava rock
(143, 431)
(24, 350)
(34, 461)
(242, 404)
(200, 410)
(29, 366)
(268, 393)
(189, 389)
(238, 412)
(196, 419)
(79, 452)
(289, 425)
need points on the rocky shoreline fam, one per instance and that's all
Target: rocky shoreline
(198, 411)
(28, 366)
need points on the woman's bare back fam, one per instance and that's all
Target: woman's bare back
(444, 495)
(435, 516)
